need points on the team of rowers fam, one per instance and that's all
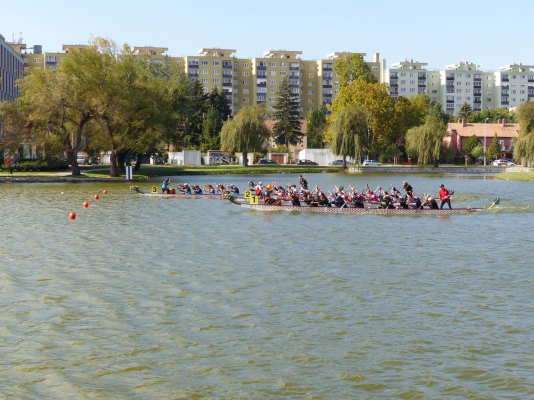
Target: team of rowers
(273, 194)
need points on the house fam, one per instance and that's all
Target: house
(458, 133)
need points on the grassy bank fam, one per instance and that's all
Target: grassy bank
(148, 171)
(516, 176)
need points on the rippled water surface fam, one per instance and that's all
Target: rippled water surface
(168, 298)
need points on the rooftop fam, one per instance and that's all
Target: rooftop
(282, 54)
(338, 54)
(501, 129)
(216, 52)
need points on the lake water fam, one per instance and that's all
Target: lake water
(193, 298)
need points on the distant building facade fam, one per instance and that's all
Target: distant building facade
(11, 66)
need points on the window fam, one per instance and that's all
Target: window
(489, 85)
(403, 82)
(236, 108)
(311, 92)
(374, 68)
(488, 100)
(272, 90)
(245, 73)
(204, 72)
(467, 90)
(514, 91)
(458, 90)
(236, 100)
(204, 80)
(459, 98)
(272, 64)
(245, 82)
(245, 100)
(245, 91)
(514, 76)
(205, 89)
(272, 82)
(236, 65)
(412, 82)
(434, 76)
(403, 90)
(193, 62)
(216, 63)
(310, 66)
(216, 72)
(336, 92)
(458, 106)
(310, 75)
(336, 83)
(272, 99)
(236, 73)
(51, 58)
(245, 65)
(236, 91)
(261, 63)
(204, 62)
(262, 90)
(468, 99)
(458, 83)
(488, 94)
(434, 91)
(459, 76)
(450, 106)
(236, 82)
(433, 84)
(310, 108)
(467, 83)
(38, 60)
(468, 76)
(310, 101)
(26, 60)
(272, 73)
(522, 92)
(179, 63)
(283, 64)
(215, 80)
(412, 75)
(283, 73)
(310, 83)
(26, 69)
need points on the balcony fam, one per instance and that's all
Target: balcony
(227, 74)
(503, 79)
(393, 76)
(393, 84)
(503, 102)
(261, 68)
(327, 95)
(327, 86)
(530, 80)
(450, 90)
(477, 94)
(477, 101)
(192, 66)
(227, 65)
(227, 84)
(261, 84)
(293, 68)
(477, 79)
(504, 93)
(261, 76)
(422, 85)
(422, 76)
(327, 69)
(450, 78)
(450, 101)
(531, 95)
(477, 108)
(503, 87)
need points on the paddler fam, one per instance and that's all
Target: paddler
(303, 182)
(407, 188)
(165, 185)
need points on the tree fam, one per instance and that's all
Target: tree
(211, 131)
(426, 141)
(436, 109)
(524, 146)
(495, 148)
(493, 115)
(465, 111)
(195, 116)
(352, 68)
(246, 132)
(13, 129)
(478, 152)
(349, 128)
(217, 100)
(470, 144)
(287, 115)
(316, 128)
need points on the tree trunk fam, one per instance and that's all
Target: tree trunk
(344, 162)
(436, 163)
(113, 170)
(121, 157)
(138, 162)
(245, 156)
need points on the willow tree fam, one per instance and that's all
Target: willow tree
(524, 146)
(349, 129)
(246, 132)
(426, 141)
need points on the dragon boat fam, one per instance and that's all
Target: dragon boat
(155, 193)
(253, 205)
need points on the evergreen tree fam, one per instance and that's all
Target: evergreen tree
(465, 111)
(495, 148)
(211, 130)
(217, 100)
(316, 128)
(286, 130)
(195, 117)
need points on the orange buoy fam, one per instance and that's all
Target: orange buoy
(105, 192)
(96, 197)
(72, 215)
(85, 205)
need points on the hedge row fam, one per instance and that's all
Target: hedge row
(35, 166)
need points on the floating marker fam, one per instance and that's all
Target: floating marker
(72, 216)
(105, 192)
(85, 205)
(96, 197)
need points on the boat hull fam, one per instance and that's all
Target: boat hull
(192, 196)
(345, 210)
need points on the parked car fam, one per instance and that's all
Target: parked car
(507, 161)
(371, 162)
(81, 159)
(266, 161)
(306, 162)
(340, 162)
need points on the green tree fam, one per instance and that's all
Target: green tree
(426, 141)
(524, 146)
(478, 152)
(470, 144)
(217, 100)
(349, 128)
(211, 131)
(352, 68)
(392, 152)
(195, 117)
(436, 109)
(316, 128)
(495, 148)
(246, 132)
(286, 129)
(465, 111)
(493, 116)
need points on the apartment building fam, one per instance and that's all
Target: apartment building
(11, 65)
(513, 85)
(410, 78)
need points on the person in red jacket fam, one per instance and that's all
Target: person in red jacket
(444, 196)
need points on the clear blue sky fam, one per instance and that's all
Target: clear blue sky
(491, 33)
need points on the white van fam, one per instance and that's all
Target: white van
(81, 159)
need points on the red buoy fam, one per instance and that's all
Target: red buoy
(105, 192)
(85, 205)
(72, 215)
(96, 197)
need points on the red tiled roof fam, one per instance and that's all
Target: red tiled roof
(507, 131)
